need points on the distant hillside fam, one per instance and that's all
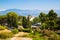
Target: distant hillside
(26, 12)
(21, 12)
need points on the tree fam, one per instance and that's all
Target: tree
(20, 20)
(52, 15)
(52, 19)
(12, 19)
(3, 19)
(42, 17)
(58, 23)
(36, 20)
(49, 19)
(24, 22)
(28, 22)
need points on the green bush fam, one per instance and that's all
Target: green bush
(19, 23)
(27, 30)
(39, 38)
(44, 26)
(2, 27)
(4, 35)
(14, 31)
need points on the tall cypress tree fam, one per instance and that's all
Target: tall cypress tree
(52, 19)
(28, 22)
(24, 22)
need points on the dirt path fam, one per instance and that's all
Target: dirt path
(21, 38)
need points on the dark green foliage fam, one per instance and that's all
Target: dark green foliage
(12, 19)
(48, 20)
(3, 19)
(20, 23)
(14, 31)
(24, 22)
(58, 23)
(36, 20)
(27, 30)
(20, 20)
(42, 17)
(44, 26)
(52, 19)
(52, 15)
(28, 22)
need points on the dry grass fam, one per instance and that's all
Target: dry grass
(6, 30)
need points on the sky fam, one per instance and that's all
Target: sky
(30, 4)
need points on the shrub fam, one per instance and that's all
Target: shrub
(51, 35)
(27, 30)
(54, 37)
(4, 35)
(14, 31)
(47, 32)
(44, 26)
(2, 27)
(19, 23)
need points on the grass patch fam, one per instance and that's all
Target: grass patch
(36, 36)
(2, 27)
(15, 31)
(4, 35)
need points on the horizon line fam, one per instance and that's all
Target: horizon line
(28, 9)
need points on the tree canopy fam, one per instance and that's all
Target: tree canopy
(12, 19)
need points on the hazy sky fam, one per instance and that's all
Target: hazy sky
(30, 4)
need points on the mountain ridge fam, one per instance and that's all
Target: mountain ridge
(26, 12)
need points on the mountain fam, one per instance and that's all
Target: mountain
(27, 12)
(21, 12)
